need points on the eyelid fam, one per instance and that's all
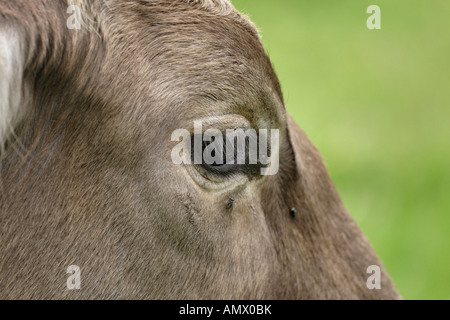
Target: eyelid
(234, 169)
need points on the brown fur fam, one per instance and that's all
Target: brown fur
(88, 180)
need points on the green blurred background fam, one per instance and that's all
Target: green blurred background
(377, 104)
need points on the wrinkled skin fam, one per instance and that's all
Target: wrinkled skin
(87, 177)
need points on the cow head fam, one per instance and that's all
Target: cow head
(86, 122)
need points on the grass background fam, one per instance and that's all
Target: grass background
(377, 105)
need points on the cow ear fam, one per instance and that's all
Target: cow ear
(11, 77)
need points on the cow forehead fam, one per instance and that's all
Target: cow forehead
(223, 5)
(168, 24)
(219, 7)
(191, 52)
(191, 57)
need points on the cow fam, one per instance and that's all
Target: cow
(90, 94)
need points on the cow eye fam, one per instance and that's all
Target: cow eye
(227, 164)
